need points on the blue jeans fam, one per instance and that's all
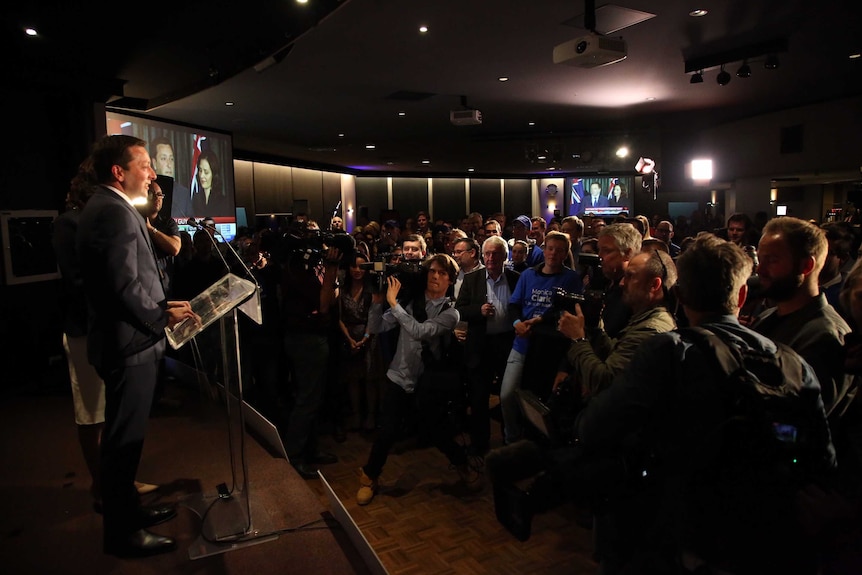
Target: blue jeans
(512, 429)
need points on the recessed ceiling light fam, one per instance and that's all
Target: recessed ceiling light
(698, 13)
(402, 113)
(340, 135)
(471, 169)
(426, 161)
(531, 123)
(551, 169)
(423, 29)
(622, 152)
(302, 1)
(503, 78)
(855, 56)
(228, 103)
(31, 32)
(370, 146)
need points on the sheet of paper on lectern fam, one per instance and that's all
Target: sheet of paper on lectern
(210, 305)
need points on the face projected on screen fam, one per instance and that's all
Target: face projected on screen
(205, 175)
(163, 160)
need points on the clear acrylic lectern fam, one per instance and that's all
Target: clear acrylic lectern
(226, 516)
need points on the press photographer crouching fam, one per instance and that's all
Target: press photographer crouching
(310, 268)
(594, 359)
(701, 453)
(420, 369)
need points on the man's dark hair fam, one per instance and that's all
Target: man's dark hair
(113, 151)
(841, 239)
(159, 141)
(711, 272)
(444, 260)
(741, 218)
(471, 244)
(804, 239)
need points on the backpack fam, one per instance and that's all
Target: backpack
(738, 489)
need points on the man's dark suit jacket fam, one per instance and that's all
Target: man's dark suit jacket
(124, 290)
(473, 294)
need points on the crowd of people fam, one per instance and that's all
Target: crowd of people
(413, 327)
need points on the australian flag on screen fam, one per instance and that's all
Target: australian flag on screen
(577, 196)
(614, 183)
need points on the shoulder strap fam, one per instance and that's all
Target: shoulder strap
(711, 344)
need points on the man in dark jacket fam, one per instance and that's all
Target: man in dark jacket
(482, 303)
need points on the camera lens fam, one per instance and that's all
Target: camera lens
(581, 47)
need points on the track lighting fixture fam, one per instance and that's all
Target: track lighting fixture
(743, 55)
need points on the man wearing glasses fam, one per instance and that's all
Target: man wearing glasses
(164, 233)
(595, 358)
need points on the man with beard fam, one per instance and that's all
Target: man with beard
(595, 358)
(791, 254)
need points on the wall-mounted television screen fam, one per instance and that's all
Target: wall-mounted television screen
(194, 168)
(604, 196)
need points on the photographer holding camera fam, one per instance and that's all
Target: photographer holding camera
(594, 358)
(426, 325)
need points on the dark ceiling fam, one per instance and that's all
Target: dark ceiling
(301, 75)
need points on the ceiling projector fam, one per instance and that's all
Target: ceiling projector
(465, 117)
(590, 51)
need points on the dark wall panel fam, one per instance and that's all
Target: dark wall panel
(409, 195)
(448, 199)
(371, 198)
(485, 196)
(518, 198)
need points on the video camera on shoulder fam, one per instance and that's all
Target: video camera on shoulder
(406, 271)
(301, 244)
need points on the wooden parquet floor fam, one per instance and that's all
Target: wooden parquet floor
(423, 522)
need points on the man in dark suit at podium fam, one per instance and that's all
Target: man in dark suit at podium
(596, 199)
(482, 303)
(128, 313)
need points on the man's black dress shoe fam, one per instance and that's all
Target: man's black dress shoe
(155, 514)
(322, 458)
(305, 470)
(141, 543)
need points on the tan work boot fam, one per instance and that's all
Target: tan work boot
(471, 478)
(367, 488)
(144, 488)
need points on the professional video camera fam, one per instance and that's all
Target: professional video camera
(308, 246)
(379, 270)
(598, 281)
(591, 302)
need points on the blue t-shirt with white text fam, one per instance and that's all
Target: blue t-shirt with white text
(534, 292)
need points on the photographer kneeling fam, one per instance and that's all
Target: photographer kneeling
(593, 362)
(425, 327)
